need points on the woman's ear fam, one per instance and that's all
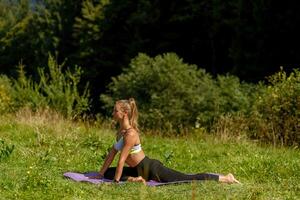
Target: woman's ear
(125, 114)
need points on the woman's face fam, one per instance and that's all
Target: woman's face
(117, 113)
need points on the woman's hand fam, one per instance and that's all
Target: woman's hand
(98, 176)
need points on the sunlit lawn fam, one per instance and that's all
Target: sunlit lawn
(46, 147)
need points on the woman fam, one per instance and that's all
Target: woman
(140, 167)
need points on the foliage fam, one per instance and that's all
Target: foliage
(162, 87)
(277, 109)
(172, 94)
(26, 93)
(14, 35)
(227, 95)
(103, 36)
(57, 89)
(6, 101)
(274, 114)
(11, 12)
(5, 149)
(36, 29)
(87, 27)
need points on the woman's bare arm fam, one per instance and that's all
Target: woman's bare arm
(108, 160)
(129, 141)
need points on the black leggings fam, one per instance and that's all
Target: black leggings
(151, 169)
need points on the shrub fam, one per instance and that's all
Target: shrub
(27, 93)
(56, 89)
(227, 96)
(5, 149)
(5, 94)
(172, 94)
(237, 119)
(164, 88)
(276, 113)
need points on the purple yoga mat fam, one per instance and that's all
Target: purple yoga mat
(84, 177)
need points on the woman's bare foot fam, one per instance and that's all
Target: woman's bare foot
(229, 178)
(137, 179)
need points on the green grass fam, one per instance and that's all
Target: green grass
(48, 146)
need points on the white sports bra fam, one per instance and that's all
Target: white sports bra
(120, 144)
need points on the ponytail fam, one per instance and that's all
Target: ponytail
(134, 114)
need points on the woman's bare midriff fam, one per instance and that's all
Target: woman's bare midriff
(134, 159)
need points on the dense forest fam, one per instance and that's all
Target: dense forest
(248, 39)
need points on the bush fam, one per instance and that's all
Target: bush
(276, 113)
(56, 89)
(5, 149)
(27, 93)
(164, 88)
(172, 94)
(6, 101)
(227, 96)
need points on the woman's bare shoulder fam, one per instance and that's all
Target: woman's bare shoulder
(131, 132)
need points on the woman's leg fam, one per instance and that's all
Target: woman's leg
(151, 169)
(164, 174)
(127, 172)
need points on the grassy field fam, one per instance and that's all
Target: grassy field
(46, 146)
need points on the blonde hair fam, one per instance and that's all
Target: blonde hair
(130, 107)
